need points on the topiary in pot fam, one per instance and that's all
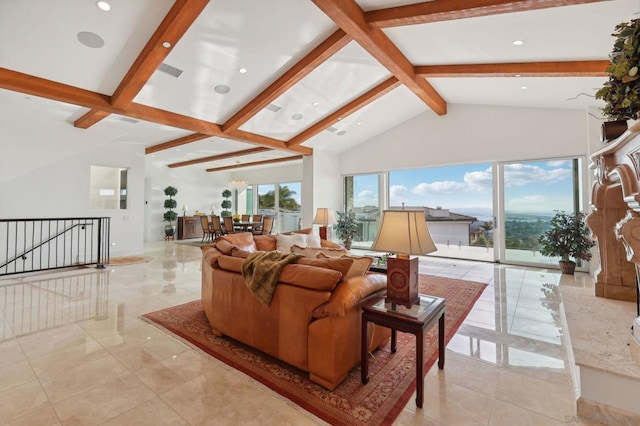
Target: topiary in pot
(170, 216)
(567, 238)
(226, 203)
(622, 91)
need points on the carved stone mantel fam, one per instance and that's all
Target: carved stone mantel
(615, 217)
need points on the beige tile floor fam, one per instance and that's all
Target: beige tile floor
(74, 352)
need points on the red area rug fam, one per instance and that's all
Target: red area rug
(392, 376)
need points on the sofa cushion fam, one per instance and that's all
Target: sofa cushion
(312, 277)
(349, 293)
(242, 240)
(360, 266)
(314, 251)
(265, 242)
(284, 242)
(341, 265)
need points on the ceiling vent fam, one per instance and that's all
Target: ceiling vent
(168, 69)
(331, 129)
(128, 120)
(273, 107)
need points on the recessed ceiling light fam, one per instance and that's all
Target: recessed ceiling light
(242, 70)
(359, 123)
(524, 87)
(90, 39)
(103, 5)
(166, 44)
(517, 75)
(296, 116)
(178, 149)
(315, 103)
(518, 42)
(222, 89)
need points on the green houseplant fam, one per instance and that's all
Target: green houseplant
(568, 237)
(170, 216)
(622, 91)
(346, 228)
(226, 203)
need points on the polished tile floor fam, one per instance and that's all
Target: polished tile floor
(73, 351)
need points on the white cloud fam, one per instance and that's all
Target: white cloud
(481, 180)
(445, 186)
(398, 194)
(366, 198)
(524, 174)
(559, 163)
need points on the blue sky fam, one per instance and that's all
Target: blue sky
(531, 187)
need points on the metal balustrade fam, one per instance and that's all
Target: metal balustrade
(29, 245)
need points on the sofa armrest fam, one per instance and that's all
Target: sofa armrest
(210, 255)
(350, 293)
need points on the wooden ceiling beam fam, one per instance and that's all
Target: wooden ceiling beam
(348, 16)
(36, 86)
(180, 17)
(447, 10)
(345, 111)
(522, 69)
(175, 143)
(256, 163)
(219, 157)
(311, 61)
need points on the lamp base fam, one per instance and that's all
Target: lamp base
(402, 281)
(325, 233)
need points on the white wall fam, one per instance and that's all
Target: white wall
(472, 134)
(61, 189)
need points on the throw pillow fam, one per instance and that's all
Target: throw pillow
(284, 242)
(360, 265)
(341, 265)
(242, 240)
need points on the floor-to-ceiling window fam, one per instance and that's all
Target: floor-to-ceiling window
(363, 195)
(287, 211)
(457, 203)
(533, 192)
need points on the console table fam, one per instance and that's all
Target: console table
(415, 320)
(189, 227)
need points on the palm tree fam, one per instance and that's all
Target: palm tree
(285, 199)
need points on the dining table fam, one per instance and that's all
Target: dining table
(245, 225)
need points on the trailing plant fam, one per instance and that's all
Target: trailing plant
(170, 204)
(567, 238)
(622, 91)
(226, 203)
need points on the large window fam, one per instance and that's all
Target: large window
(362, 195)
(287, 210)
(457, 203)
(533, 192)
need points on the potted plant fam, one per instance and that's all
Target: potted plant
(170, 216)
(567, 238)
(622, 91)
(346, 228)
(226, 203)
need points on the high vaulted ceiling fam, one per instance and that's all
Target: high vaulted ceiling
(320, 74)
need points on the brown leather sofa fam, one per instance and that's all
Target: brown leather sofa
(313, 320)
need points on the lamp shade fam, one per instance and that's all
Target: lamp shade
(324, 217)
(404, 232)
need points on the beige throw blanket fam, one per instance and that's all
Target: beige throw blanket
(261, 271)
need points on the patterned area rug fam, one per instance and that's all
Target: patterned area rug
(392, 376)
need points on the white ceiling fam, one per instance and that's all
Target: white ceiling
(268, 37)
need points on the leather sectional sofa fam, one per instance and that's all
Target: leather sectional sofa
(313, 320)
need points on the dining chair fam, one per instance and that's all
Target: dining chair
(245, 218)
(216, 226)
(207, 233)
(266, 227)
(228, 225)
(256, 218)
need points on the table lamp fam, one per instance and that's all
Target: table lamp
(403, 232)
(324, 218)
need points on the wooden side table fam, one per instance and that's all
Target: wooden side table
(416, 320)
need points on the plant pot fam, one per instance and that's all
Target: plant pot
(567, 267)
(613, 129)
(169, 230)
(347, 244)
